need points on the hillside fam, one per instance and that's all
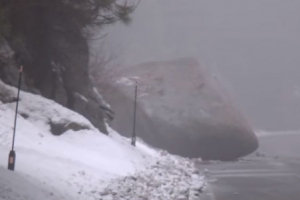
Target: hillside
(62, 153)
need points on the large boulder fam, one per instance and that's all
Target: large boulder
(181, 108)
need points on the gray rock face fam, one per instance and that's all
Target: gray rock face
(9, 73)
(68, 85)
(181, 108)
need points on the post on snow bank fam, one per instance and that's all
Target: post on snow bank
(133, 139)
(12, 153)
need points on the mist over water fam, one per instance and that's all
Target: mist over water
(253, 46)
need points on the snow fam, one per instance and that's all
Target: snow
(142, 95)
(262, 133)
(128, 81)
(83, 98)
(13, 187)
(125, 81)
(100, 97)
(78, 164)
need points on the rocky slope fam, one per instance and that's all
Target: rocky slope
(181, 108)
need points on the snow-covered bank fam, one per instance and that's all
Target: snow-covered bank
(171, 178)
(81, 162)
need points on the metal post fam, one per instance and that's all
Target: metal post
(12, 154)
(134, 116)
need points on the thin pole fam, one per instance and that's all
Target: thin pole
(17, 106)
(134, 116)
(12, 153)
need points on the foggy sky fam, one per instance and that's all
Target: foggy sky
(253, 44)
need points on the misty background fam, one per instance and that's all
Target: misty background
(252, 46)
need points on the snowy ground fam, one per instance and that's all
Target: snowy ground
(14, 187)
(83, 163)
